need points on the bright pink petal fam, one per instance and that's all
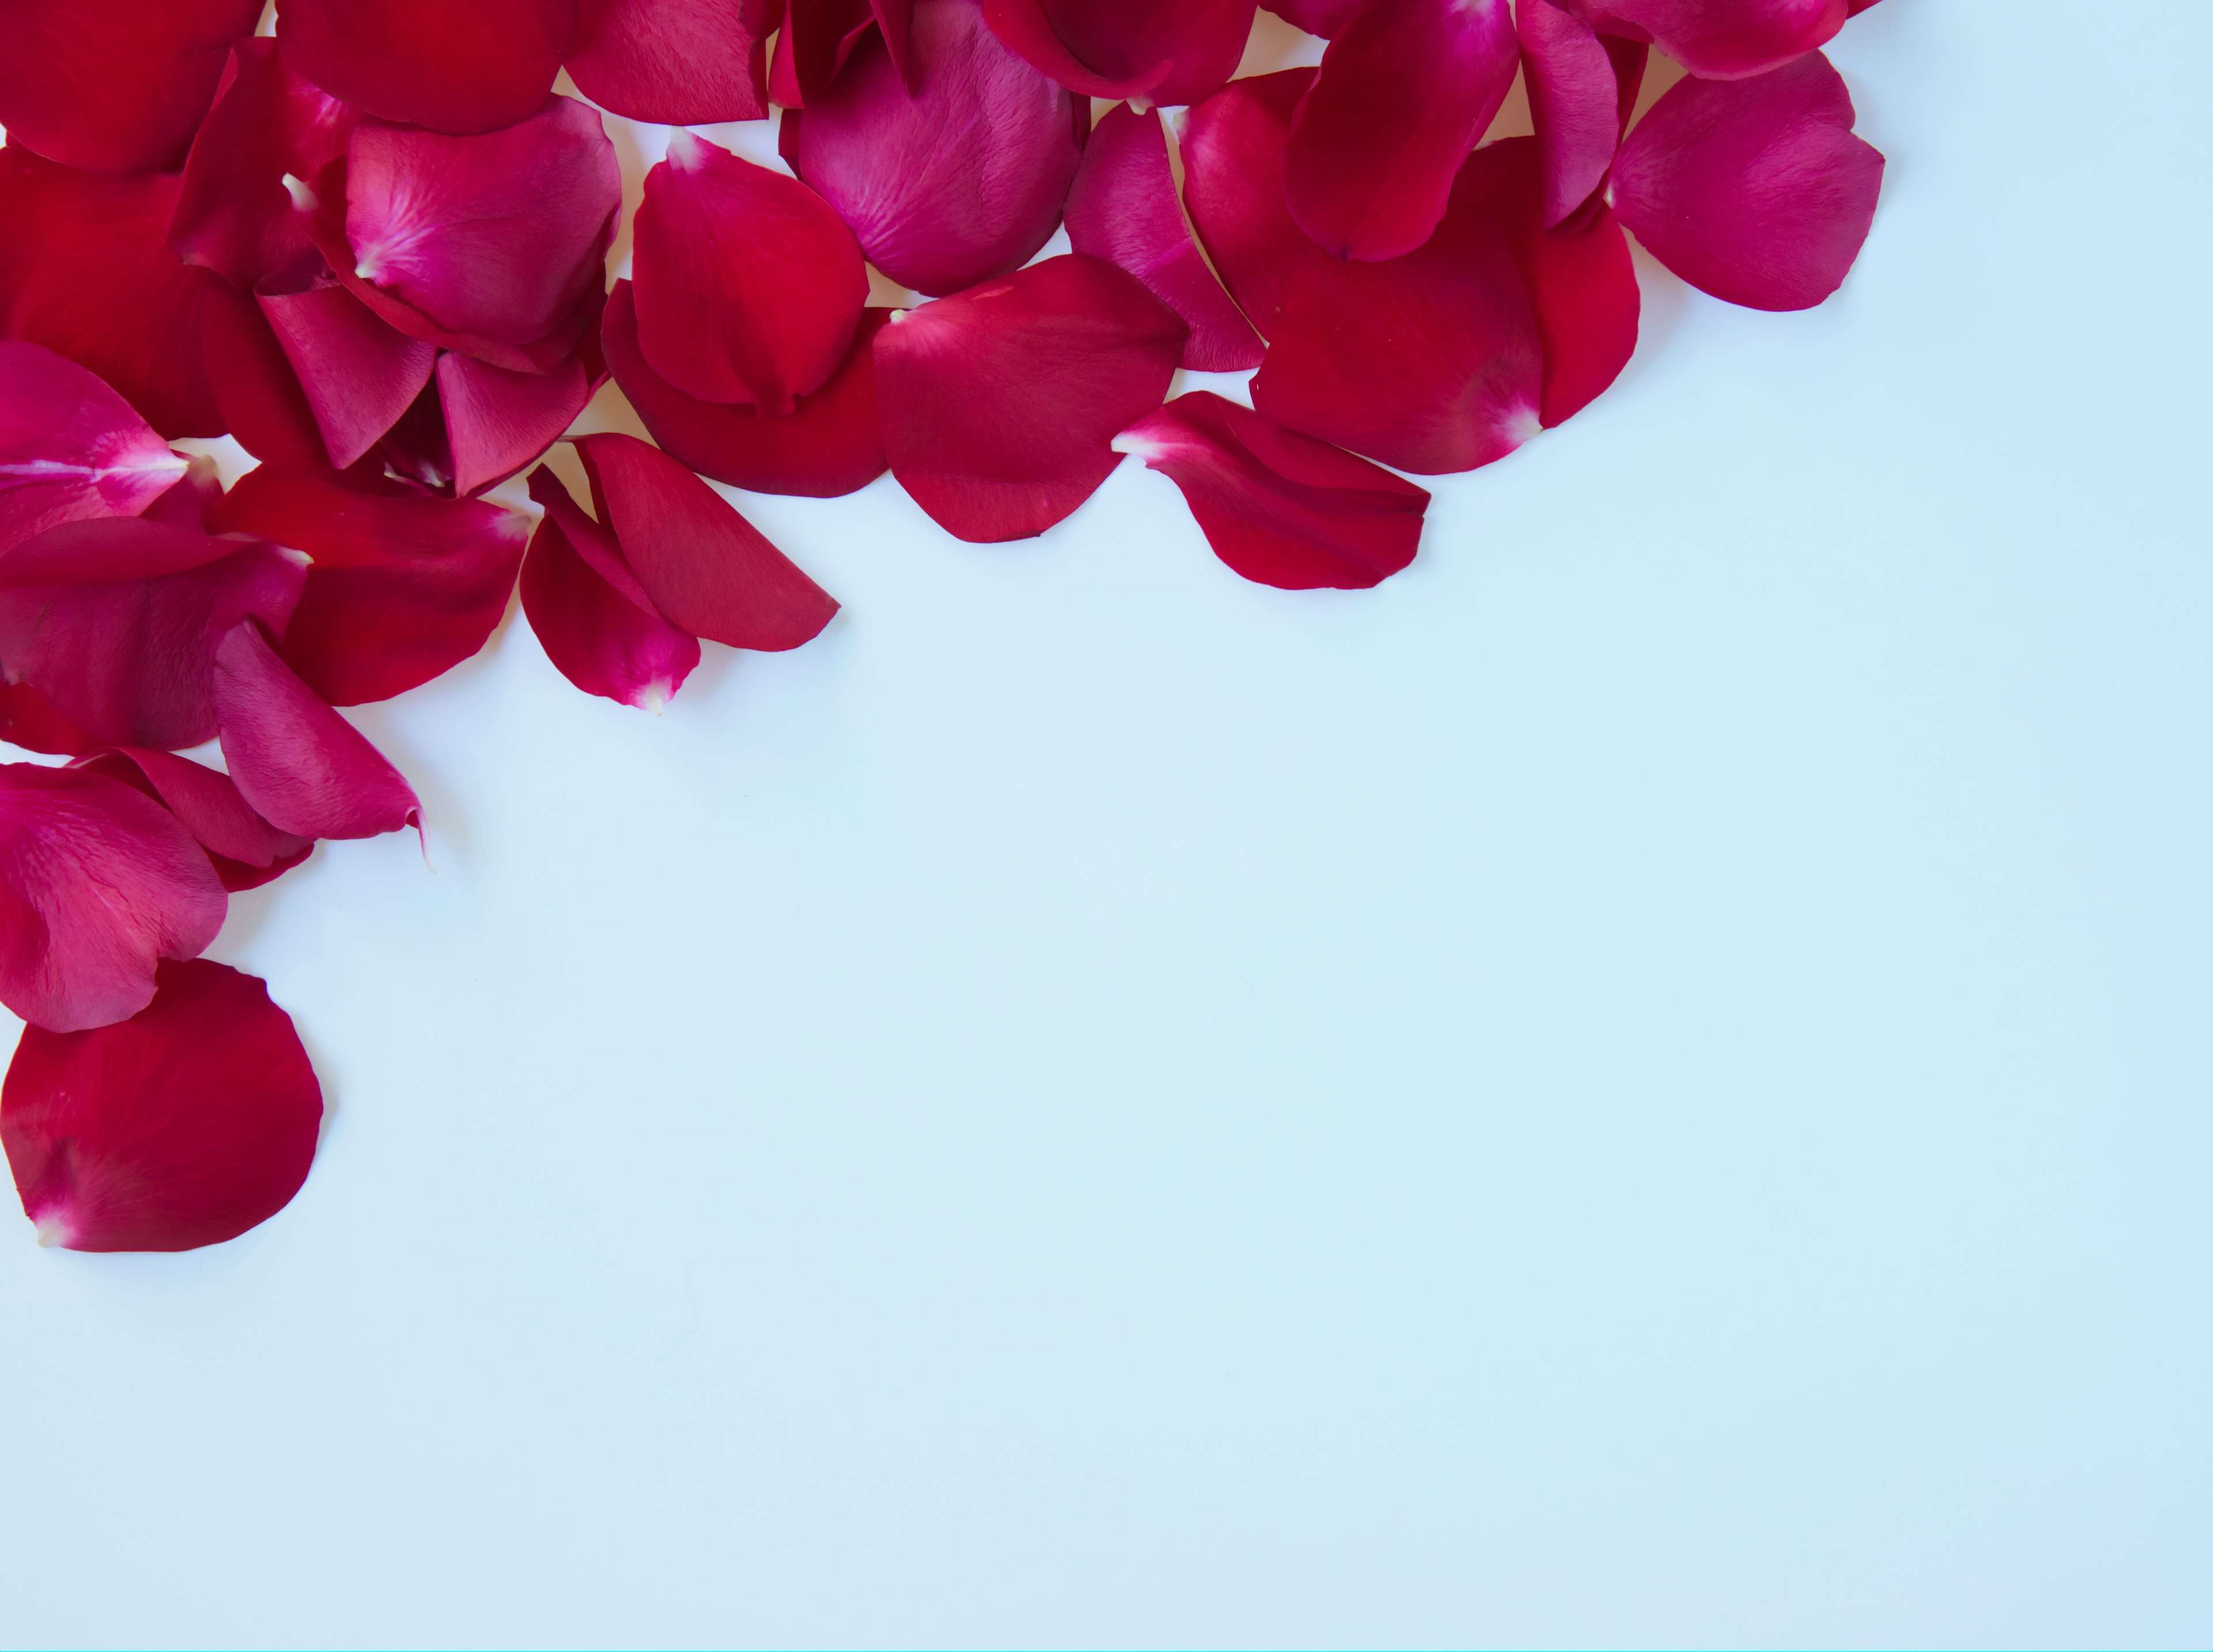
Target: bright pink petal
(86, 270)
(113, 85)
(589, 613)
(1280, 508)
(244, 849)
(707, 569)
(358, 374)
(186, 1125)
(498, 423)
(1404, 90)
(958, 183)
(255, 388)
(747, 285)
(1168, 51)
(1431, 363)
(1001, 404)
(1580, 91)
(96, 884)
(1755, 190)
(830, 446)
(1322, 17)
(674, 63)
(70, 448)
(1720, 40)
(404, 585)
(451, 65)
(1233, 159)
(116, 621)
(1124, 208)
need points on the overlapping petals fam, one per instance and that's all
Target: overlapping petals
(685, 63)
(1721, 39)
(70, 448)
(1582, 86)
(590, 614)
(244, 849)
(451, 66)
(1161, 51)
(1233, 157)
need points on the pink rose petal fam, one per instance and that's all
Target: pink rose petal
(679, 63)
(1582, 89)
(589, 613)
(70, 448)
(451, 65)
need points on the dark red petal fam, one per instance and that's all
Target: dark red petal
(707, 568)
(187, 503)
(1431, 363)
(28, 719)
(126, 659)
(1322, 17)
(591, 616)
(1024, 27)
(86, 270)
(958, 183)
(818, 39)
(254, 386)
(748, 286)
(1576, 101)
(1720, 40)
(1000, 404)
(674, 63)
(404, 586)
(1233, 161)
(358, 374)
(96, 883)
(70, 448)
(1280, 508)
(184, 1127)
(234, 214)
(1124, 208)
(830, 446)
(1755, 190)
(1166, 51)
(451, 65)
(244, 849)
(1859, 6)
(113, 85)
(497, 423)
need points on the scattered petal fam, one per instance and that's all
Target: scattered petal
(590, 615)
(1162, 51)
(465, 67)
(244, 849)
(1720, 40)
(187, 503)
(254, 384)
(674, 63)
(1582, 89)
(27, 719)
(70, 448)
(358, 373)
(1233, 158)
(498, 423)
(819, 37)
(1322, 17)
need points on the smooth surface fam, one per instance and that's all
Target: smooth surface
(1645, 1083)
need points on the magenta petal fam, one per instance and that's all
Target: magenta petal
(358, 373)
(1755, 190)
(1000, 404)
(707, 567)
(1576, 102)
(70, 448)
(589, 613)
(675, 63)
(748, 286)
(186, 1125)
(1720, 40)
(819, 37)
(451, 65)
(1168, 51)
(1404, 92)
(97, 883)
(1124, 208)
(961, 182)
(244, 849)
(1233, 158)
(187, 503)
(1322, 17)
(497, 423)
(1280, 508)
(1025, 27)
(254, 385)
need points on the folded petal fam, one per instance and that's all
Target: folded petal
(1000, 404)
(244, 849)
(465, 67)
(707, 569)
(358, 373)
(1124, 208)
(589, 613)
(1582, 89)
(1233, 161)
(113, 85)
(70, 448)
(97, 883)
(255, 389)
(404, 585)
(958, 182)
(86, 270)
(184, 1125)
(498, 422)
(819, 37)
(1755, 190)
(187, 503)
(828, 446)
(1720, 40)
(1162, 51)
(1322, 17)
(1279, 508)
(674, 63)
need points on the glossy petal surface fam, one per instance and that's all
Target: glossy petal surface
(589, 613)
(70, 448)
(675, 63)
(451, 65)
(1233, 158)
(1720, 40)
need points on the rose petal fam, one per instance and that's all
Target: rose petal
(113, 85)
(1000, 404)
(1168, 51)
(679, 63)
(1582, 89)
(589, 613)
(244, 849)
(27, 718)
(1322, 17)
(707, 569)
(358, 374)
(451, 65)
(1024, 27)
(187, 503)
(1233, 159)
(1755, 190)
(255, 388)
(818, 39)
(498, 423)
(96, 883)
(1280, 508)
(1720, 40)
(1124, 208)
(404, 585)
(830, 446)
(70, 448)
(186, 1125)
(958, 182)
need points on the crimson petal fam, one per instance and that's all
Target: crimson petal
(589, 613)
(244, 849)
(27, 718)
(818, 39)
(1232, 158)
(359, 373)
(1168, 51)
(1582, 88)
(70, 448)
(674, 63)
(498, 422)
(187, 503)
(1322, 17)
(1720, 40)
(451, 65)
(254, 382)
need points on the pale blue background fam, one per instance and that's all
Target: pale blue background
(1647, 1082)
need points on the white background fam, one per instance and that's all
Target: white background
(1646, 1083)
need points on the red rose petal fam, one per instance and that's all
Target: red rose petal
(1168, 51)
(1404, 92)
(589, 613)
(28, 719)
(184, 1127)
(187, 503)
(707, 569)
(1025, 28)
(1233, 159)
(674, 63)
(1279, 508)
(748, 286)
(254, 386)
(1582, 88)
(70, 448)
(1000, 404)
(1124, 208)
(1755, 190)
(830, 446)
(498, 423)
(958, 182)
(113, 85)
(1720, 40)
(1322, 17)
(404, 585)
(819, 37)
(244, 849)
(451, 65)
(96, 883)
(358, 374)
